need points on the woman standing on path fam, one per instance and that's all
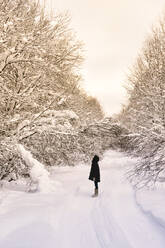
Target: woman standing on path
(95, 174)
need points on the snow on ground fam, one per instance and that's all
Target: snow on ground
(68, 217)
(152, 204)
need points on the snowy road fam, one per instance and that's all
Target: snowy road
(68, 217)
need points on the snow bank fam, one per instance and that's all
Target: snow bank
(151, 202)
(38, 174)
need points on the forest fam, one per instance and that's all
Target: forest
(44, 107)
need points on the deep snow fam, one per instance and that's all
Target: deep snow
(68, 217)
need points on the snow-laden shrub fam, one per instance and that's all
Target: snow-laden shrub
(150, 167)
(11, 164)
(67, 147)
(39, 176)
(57, 147)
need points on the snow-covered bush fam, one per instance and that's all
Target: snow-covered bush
(39, 176)
(53, 147)
(12, 166)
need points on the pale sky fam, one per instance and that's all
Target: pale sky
(113, 32)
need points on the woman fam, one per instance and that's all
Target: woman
(95, 174)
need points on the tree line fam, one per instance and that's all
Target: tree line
(144, 115)
(40, 80)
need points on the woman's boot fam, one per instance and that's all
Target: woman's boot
(95, 193)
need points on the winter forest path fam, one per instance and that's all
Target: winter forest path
(68, 217)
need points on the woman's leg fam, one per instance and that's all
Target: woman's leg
(96, 189)
(96, 184)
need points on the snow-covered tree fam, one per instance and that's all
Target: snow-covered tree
(146, 87)
(40, 88)
(39, 66)
(144, 115)
(39, 58)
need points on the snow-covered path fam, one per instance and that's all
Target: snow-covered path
(68, 217)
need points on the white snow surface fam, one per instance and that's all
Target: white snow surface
(68, 217)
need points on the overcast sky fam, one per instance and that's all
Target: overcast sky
(113, 32)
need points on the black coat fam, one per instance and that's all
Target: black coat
(95, 171)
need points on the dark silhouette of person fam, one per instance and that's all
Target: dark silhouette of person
(95, 174)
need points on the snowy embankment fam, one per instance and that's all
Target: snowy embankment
(152, 203)
(67, 217)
